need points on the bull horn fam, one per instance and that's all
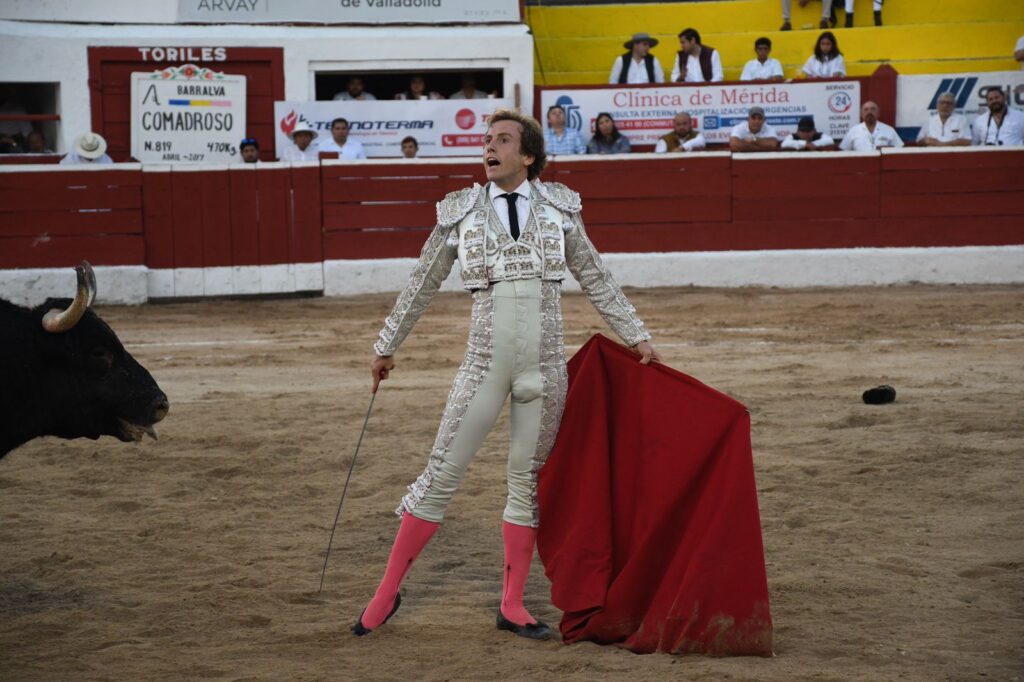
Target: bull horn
(59, 321)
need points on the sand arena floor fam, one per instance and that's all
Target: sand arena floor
(894, 535)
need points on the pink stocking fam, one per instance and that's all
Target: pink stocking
(519, 541)
(412, 537)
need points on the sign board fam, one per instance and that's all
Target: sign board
(187, 114)
(452, 127)
(917, 96)
(348, 11)
(644, 114)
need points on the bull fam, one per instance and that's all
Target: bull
(64, 373)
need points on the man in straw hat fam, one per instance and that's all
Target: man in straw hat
(88, 148)
(303, 148)
(638, 65)
(516, 238)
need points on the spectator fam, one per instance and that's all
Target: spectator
(1018, 52)
(249, 148)
(827, 60)
(35, 143)
(754, 135)
(607, 139)
(468, 90)
(696, 63)
(16, 130)
(557, 138)
(1000, 125)
(828, 14)
(870, 133)
(418, 90)
(638, 65)
(683, 137)
(764, 67)
(347, 148)
(849, 13)
(302, 147)
(807, 139)
(945, 128)
(88, 148)
(354, 91)
(410, 147)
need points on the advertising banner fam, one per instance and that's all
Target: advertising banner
(644, 114)
(441, 127)
(917, 96)
(347, 11)
(187, 114)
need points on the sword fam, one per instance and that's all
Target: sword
(344, 490)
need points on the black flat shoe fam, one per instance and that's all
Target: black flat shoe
(359, 630)
(880, 395)
(536, 630)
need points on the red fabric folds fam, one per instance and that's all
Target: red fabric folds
(650, 532)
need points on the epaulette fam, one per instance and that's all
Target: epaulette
(559, 196)
(456, 205)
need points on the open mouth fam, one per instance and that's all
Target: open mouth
(135, 432)
(492, 162)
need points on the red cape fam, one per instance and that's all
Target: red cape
(650, 532)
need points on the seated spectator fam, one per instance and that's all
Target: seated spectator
(638, 65)
(35, 143)
(418, 90)
(807, 139)
(849, 13)
(696, 63)
(945, 128)
(827, 60)
(764, 67)
(754, 135)
(410, 147)
(346, 147)
(1000, 125)
(15, 130)
(468, 90)
(1018, 52)
(302, 147)
(557, 138)
(249, 148)
(607, 139)
(354, 91)
(828, 14)
(870, 133)
(683, 137)
(88, 148)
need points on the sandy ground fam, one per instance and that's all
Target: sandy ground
(894, 535)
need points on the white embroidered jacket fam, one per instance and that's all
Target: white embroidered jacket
(469, 231)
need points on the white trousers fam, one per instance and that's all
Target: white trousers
(826, 9)
(515, 349)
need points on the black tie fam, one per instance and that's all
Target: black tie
(513, 217)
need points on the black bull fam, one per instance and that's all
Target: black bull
(64, 373)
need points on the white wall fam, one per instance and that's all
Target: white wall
(53, 52)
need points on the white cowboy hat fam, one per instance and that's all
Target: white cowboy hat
(638, 37)
(90, 145)
(301, 127)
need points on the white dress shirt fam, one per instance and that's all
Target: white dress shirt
(637, 72)
(696, 143)
(860, 139)
(73, 159)
(742, 131)
(462, 95)
(344, 96)
(755, 70)
(352, 150)
(501, 205)
(293, 153)
(832, 68)
(1011, 132)
(693, 71)
(955, 127)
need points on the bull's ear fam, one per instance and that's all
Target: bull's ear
(57, 321)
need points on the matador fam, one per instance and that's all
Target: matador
(514, 238)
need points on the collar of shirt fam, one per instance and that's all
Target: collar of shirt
(501, 205)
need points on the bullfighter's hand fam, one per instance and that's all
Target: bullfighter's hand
(381, 369)
(646, 352)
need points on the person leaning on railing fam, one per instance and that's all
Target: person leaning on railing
(945, 128)
(1000, 125)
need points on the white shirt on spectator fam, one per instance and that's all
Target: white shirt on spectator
(1011, 132)
(696, 143)
(637, 72)
(794, 142)
(832, 68)
(1019, 47)
(73, 159)
(741, 131)
(693, 71)
(344, 96)
(462, 95)
(352, 150)
(956, 127)
(293, 153)
(860, 139)
(755, 70)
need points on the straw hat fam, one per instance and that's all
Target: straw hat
(90, 146)
(302, 127)
(637, 37)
